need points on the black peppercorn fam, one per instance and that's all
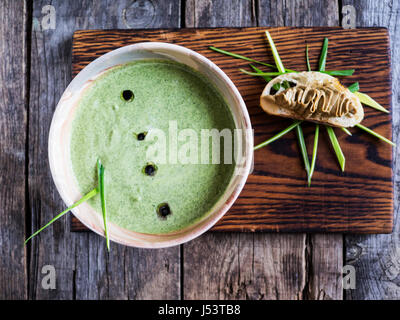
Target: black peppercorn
(141, 136)
(127, 95)
(163, 210)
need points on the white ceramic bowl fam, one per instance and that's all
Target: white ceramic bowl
(60, 133)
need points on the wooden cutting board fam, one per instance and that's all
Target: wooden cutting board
(276, 198)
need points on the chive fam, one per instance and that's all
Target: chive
(348, 72)
(336, 147)
(277, 136)
(278, 61)
(307, 59)
(86, 197)
(266, 78)
(303, 149)
(100, 177)
(238, 56)
(314, 154)
(375, 134)
(276, 86)
(354, 87)
(324, 53)
(285, 84)
(367, 100)
(347, 131)
(262, 74)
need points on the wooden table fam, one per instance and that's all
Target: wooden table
(36, 68)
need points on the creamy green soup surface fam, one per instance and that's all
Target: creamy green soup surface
(110, 125)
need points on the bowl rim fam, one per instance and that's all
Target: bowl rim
(196, 229)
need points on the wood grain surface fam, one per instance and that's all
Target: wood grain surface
(376, 258)
(13, 123)
(276, 197)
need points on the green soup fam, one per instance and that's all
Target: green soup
(114, 122)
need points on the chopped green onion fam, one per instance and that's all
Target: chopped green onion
(367, 100)
(276, 86)
(307, 59)
(86, 197)
(303, 149)
(336, 147)
(286, 84)
(324, 53)
(238, 56)
(262, 74)
(275, 53)
(277, 136)
(347, 131)
(314, 154)
(100, 176)
(348, 72)
(375, 134)
(354, 87)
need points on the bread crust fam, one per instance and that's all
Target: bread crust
(314, 96)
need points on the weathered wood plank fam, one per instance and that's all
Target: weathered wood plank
(84, 269)
(325, 255)
(125, 273)
(299, 13)
(220, 13)
(13, 272)
(245, 266)
(377, 258)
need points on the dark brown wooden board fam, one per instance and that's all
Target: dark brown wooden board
(276, 198)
